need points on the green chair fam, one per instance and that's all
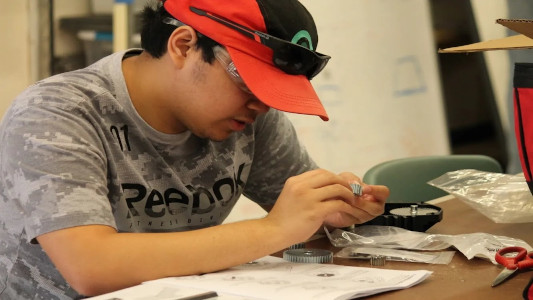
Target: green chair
(407, 177)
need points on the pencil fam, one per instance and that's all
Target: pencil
(201, 296)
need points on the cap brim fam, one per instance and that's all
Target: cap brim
(277, 89)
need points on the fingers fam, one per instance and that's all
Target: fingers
(319, 178)
(372, 202)
(320, 196)
(342, 214)
(337, 191)
(350, 177)
(379, 192)
(328, 186)
(338, 206)
(365, 207)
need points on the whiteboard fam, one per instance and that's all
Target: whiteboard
(381, 88)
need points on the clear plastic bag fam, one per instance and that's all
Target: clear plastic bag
(386, 237)
(428, 257)
(482, 245)
(503, 198)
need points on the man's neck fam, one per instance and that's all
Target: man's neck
(145, 77)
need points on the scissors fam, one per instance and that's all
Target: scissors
(517, 258)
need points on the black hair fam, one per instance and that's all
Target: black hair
(155, 33)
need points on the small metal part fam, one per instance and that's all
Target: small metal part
(357, 189)
(359, 255)
(297, 246)
(304, 255)
(377, 260)
(414, 209)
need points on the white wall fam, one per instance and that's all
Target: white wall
(15, 74)
(381, 88)
(486, 13)
(365, 31)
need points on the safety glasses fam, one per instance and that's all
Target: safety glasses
(225, 60)
(221, 55)
(289, 57)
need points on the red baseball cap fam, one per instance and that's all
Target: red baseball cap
(271, 42)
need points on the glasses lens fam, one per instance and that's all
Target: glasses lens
(225, 60)
(297, 60)
(290, 58)
(319, 66)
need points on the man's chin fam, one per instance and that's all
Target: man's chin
(220, 137)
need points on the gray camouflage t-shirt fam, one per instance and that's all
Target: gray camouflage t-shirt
(73, 151)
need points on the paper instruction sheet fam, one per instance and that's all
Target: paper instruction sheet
(274, 278)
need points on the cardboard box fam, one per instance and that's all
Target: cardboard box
(524, 40)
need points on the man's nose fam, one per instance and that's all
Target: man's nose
(257, 105)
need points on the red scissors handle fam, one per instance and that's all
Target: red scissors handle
(527, 262)
(521, 260)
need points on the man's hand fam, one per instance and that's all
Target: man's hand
(371, 204)
(320, 197)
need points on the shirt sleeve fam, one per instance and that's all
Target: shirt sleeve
(54, 165)
(278, 155)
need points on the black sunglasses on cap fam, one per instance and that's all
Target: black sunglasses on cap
(288, 57)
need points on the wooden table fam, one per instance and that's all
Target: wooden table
(462, 278)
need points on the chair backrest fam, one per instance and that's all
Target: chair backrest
(407, 177)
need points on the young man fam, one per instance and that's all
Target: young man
(123, 171)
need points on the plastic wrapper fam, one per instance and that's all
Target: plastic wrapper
(433, 257)
(385, 237)
(503, 198)
(482, 245)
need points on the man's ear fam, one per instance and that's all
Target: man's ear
(181, 43)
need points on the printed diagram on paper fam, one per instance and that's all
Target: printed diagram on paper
(275, 278)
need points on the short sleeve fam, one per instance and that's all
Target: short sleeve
(278, 155)
(54, 165)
